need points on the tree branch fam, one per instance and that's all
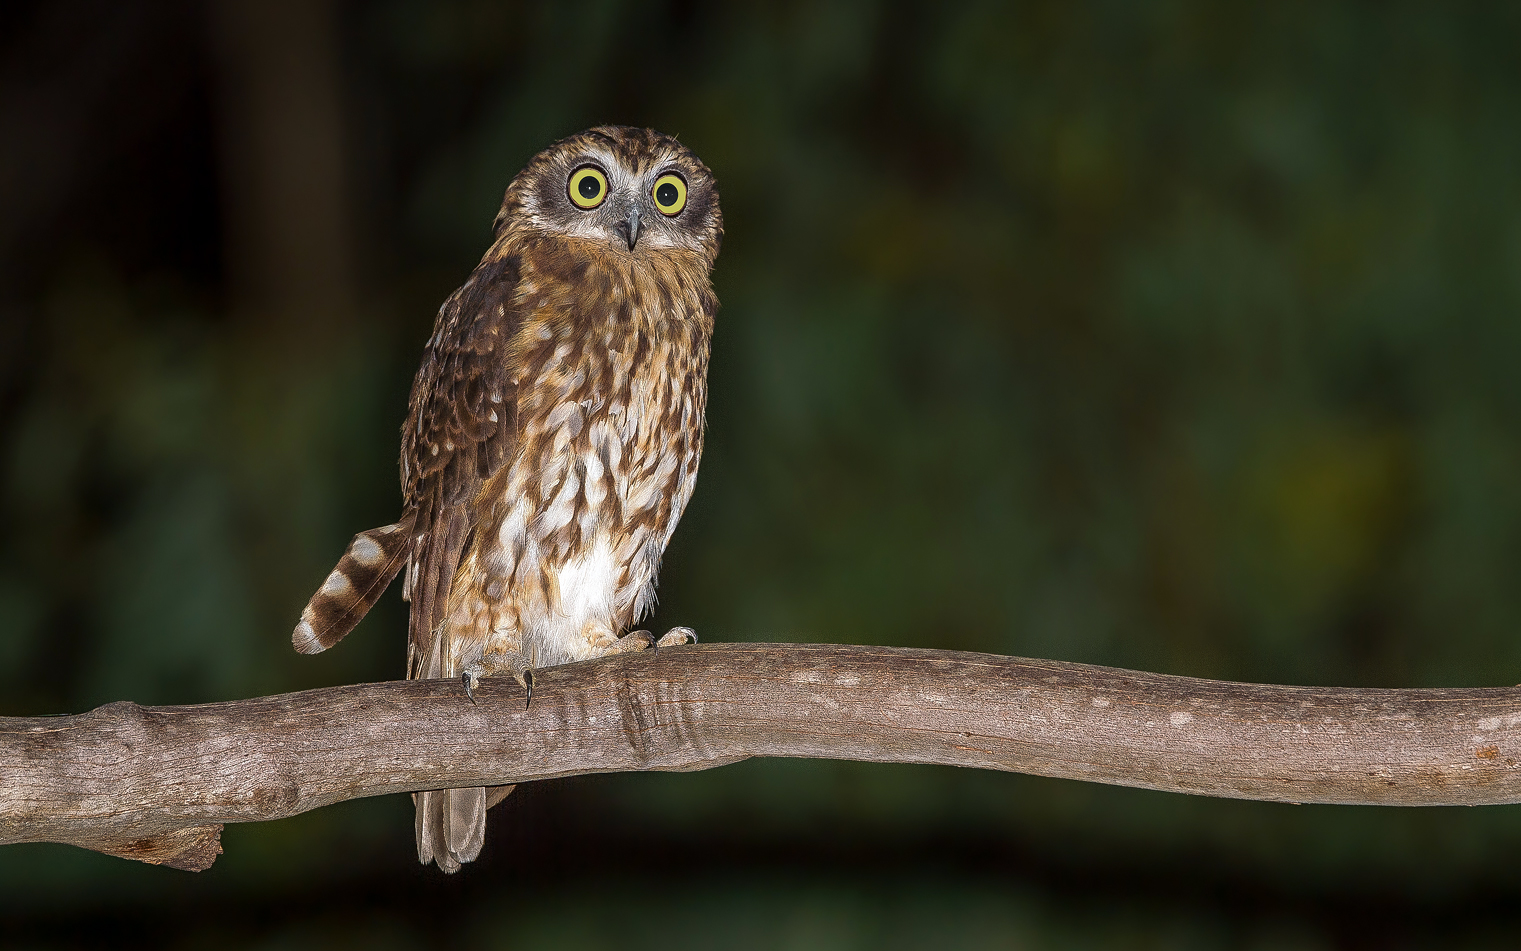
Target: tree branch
(156, 783)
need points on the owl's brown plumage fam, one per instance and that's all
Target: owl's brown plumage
(553, 434)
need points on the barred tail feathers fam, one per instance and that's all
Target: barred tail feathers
(373, 558)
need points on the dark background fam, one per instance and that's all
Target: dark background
(1176, 336)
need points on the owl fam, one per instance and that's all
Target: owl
(552, 436)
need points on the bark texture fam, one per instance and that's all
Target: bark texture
(157, 783)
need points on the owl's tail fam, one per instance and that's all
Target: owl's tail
(352, 588)
(451, 824)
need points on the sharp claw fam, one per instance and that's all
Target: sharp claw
(528, 683)
(466, 679)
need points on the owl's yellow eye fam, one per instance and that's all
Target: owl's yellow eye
(670, 194)
(588, 187)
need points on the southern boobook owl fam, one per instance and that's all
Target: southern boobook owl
(552, 437)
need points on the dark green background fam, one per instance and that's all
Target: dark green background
(1176, 336)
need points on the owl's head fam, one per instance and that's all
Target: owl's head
(635, 189)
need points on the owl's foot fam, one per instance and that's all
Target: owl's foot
(632, 641)
(644, 640)
(493, 664)
(677, 636)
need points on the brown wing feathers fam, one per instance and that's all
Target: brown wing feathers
(458, 434)
(439, 551)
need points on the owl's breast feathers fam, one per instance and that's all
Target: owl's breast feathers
(556, 424)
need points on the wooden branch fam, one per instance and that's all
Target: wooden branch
(156, 783)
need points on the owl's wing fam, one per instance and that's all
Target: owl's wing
(460, 430)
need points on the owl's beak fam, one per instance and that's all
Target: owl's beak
(629, 227)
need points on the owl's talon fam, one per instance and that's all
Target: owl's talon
(493, 664)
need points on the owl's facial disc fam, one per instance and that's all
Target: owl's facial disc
(630, 191)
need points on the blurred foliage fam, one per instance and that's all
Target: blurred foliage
(1176, 336)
